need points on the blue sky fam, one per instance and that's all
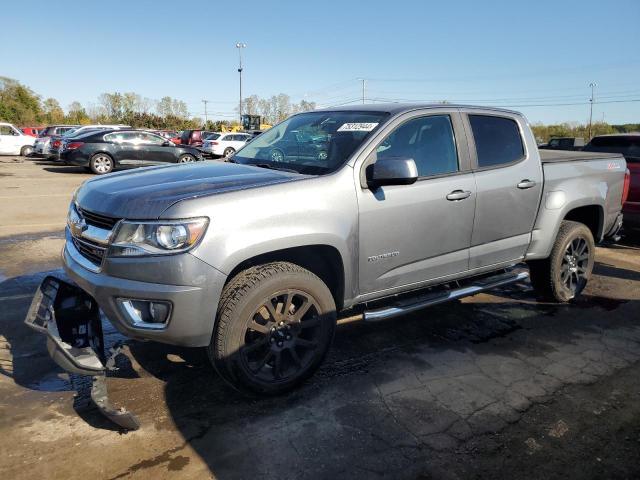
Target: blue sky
(513, 53)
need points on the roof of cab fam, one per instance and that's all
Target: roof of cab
(397, 108)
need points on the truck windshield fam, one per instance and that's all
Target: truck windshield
(314, 143)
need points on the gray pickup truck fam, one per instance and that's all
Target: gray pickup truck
(372, 210)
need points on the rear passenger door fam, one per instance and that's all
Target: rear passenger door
(509, 184)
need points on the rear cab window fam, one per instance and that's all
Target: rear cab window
(498, 140)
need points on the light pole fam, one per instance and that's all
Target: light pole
(591, 100)
(240, 46)
(206, 117)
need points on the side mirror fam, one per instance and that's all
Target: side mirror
(392, 171)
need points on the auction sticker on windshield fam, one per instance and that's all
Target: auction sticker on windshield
(357, 127)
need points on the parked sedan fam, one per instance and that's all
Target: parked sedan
(225, 144)
(102, 151)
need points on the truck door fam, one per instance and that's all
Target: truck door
(410, 234)
(509, 181)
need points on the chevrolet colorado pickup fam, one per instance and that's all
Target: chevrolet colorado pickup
(256, 258)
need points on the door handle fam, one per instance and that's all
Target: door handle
(524, 184)
(458, 195)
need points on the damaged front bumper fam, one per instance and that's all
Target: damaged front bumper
(70, 318)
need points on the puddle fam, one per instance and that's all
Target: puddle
(55, 382)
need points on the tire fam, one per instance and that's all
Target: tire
(563, 275)
(26, 151)
(101, 164)
(256, 347)
(228, 152)
(186, 158)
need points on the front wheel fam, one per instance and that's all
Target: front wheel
(564, 275)
(101, 163)
(274, 326)
(186, 158)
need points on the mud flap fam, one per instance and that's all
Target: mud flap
(71, 320)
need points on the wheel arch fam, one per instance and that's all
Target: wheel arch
(587, 211)
(324, 261)
(590, 215)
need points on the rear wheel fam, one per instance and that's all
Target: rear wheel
(186, 158)
(228, 152)
(101, 163)
(564, 275)
(275, 324)
(26, 150)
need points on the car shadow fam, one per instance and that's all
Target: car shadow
(340, 418)
(65, 169)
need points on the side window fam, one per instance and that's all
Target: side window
(151, 139)
(428, 140)
(122, 137)
(7, 130)
(498, 140)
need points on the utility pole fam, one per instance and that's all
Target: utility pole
(206, 118)
(591, 100)
(240, 46)
(364, 89)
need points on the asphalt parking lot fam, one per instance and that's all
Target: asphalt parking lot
(495, 386)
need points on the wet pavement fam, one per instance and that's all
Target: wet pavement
(495, 386)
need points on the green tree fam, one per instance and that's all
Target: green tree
(19, 104)
(53, 113)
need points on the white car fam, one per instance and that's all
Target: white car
(224, 144)
(14, 142)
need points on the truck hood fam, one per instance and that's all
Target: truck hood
(145, 193)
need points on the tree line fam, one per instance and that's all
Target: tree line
(545, 132)
(23, 107)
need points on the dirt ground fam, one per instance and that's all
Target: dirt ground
(495, 386)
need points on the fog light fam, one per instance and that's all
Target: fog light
(146, 313)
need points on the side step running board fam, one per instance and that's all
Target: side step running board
(446, 296)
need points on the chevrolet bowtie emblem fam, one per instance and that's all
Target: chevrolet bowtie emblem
(77, 227)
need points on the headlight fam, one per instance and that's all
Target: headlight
(157, 238)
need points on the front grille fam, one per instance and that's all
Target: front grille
(98, 220)
(90, 250)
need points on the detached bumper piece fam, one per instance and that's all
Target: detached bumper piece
(70, 318)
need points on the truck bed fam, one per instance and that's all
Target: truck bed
(559, 156)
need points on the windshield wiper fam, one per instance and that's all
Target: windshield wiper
(273, 167)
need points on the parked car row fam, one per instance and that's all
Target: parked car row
(102, 151)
